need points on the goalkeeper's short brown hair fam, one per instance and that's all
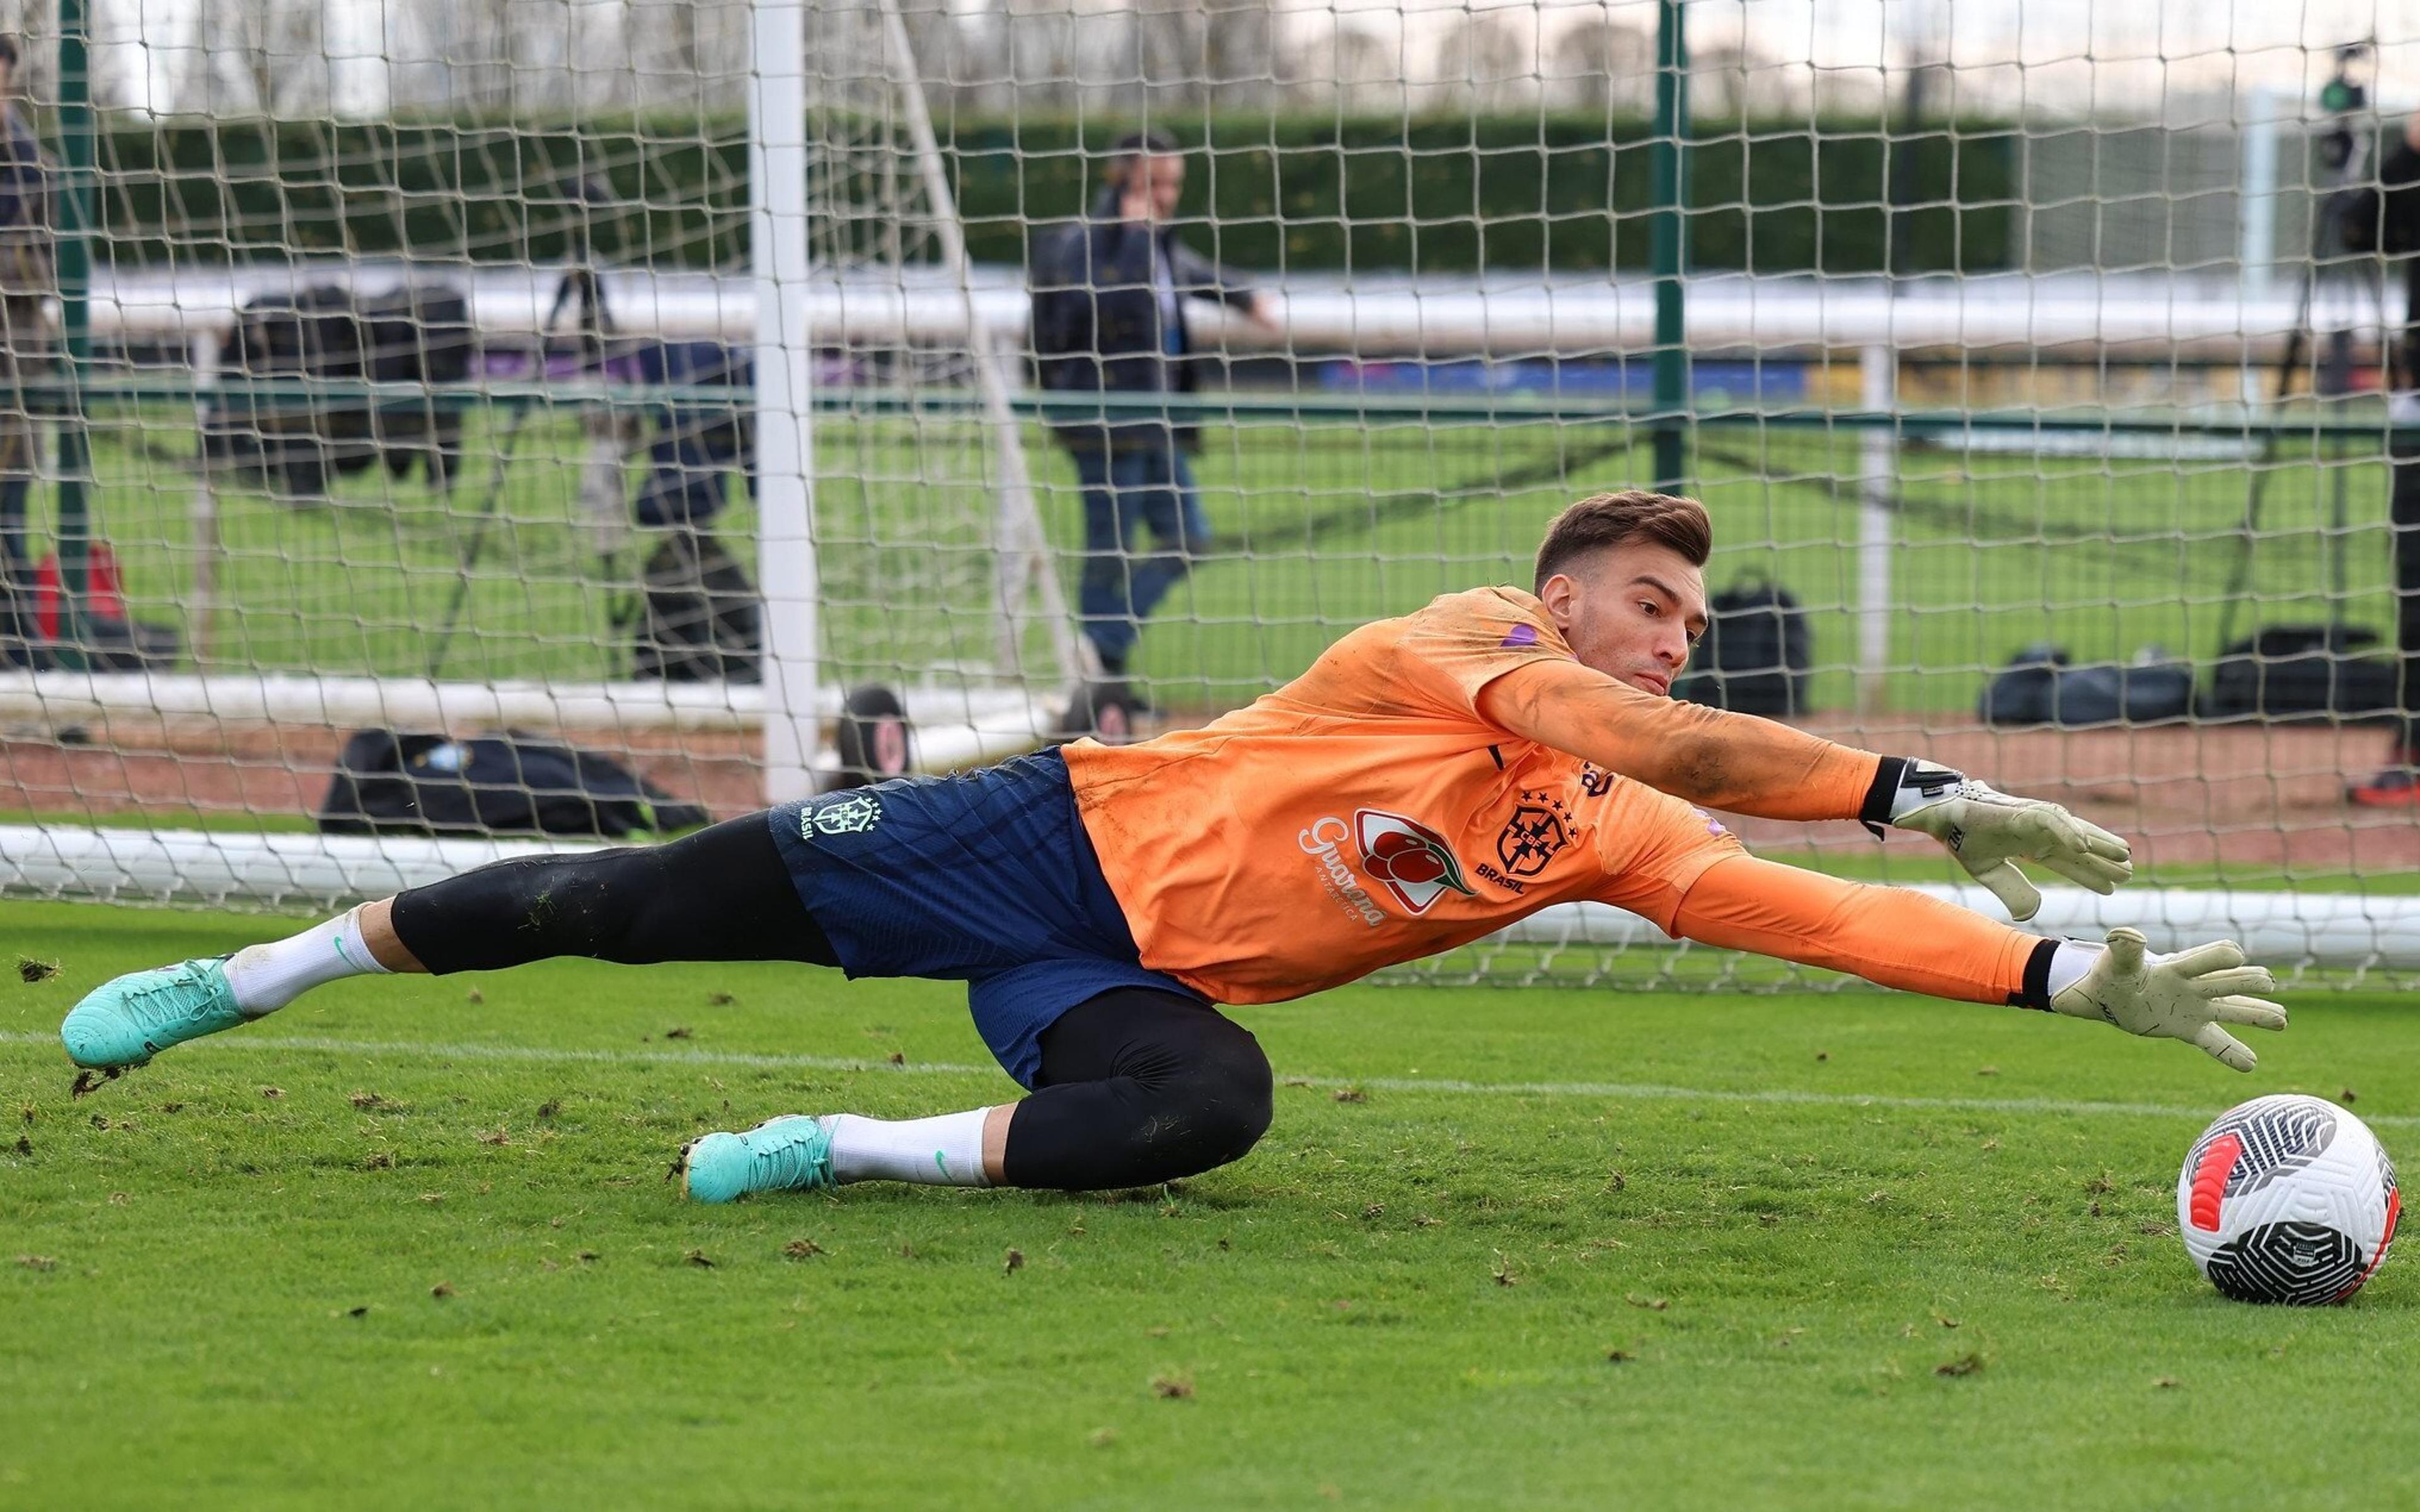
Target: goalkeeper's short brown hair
(1632, 514)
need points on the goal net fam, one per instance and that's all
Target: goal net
(424, 415)
(2045, 408)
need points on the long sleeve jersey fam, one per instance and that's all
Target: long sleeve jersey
(1433, 777)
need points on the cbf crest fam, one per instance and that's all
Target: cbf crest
(1535, 836)
(850, 813)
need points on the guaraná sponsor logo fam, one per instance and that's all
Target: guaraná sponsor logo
(1322, 842)
(1406, 857)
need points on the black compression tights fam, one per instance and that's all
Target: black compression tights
(1137, 1086)
(721, 894)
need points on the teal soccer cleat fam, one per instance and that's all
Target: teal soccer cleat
(126, 1022)
(785, 1154)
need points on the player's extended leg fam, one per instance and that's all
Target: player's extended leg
(1137, 1086)
(721, 894)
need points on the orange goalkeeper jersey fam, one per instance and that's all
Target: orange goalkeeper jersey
(1367, 813)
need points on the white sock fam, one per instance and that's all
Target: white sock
(943, 1151)
(265, 978)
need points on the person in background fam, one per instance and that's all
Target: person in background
(27, 282)
(2387, 222)
(1109, 318)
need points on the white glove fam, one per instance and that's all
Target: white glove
(1987, 830)
(2182, 996)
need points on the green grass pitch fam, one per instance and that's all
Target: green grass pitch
(408, 1245)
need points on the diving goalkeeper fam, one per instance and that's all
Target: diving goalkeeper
(1430, 780)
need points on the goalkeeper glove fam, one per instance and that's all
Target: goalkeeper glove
(1987, 830)
(2186, 996)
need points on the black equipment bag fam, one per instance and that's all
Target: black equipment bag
(390, 783)
(291, 445)
(419, 333)
(2025, 691)
(415, 335)
(1758, 652)
(699, 618)
(2039, 688)
(2303, 672)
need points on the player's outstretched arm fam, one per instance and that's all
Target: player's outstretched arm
(1744, 764)
(2190, 995)
(1712, 757)
(1908, 940)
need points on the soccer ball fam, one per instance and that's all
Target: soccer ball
(2288, 1200)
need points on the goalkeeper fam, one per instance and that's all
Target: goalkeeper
(1428, 780)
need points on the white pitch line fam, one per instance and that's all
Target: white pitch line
(1611, 1091)
(441, 1051)
(1786, 1096)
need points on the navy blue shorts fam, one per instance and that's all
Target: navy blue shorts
(985, 877)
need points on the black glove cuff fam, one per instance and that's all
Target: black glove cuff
(1889, 773)
(2036, 992)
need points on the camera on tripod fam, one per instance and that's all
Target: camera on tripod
(2364, 217)
(2343, 97)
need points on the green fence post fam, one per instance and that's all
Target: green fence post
(1671, 420)
(75, 284)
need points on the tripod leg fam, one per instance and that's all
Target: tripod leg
(478, 542)
(2238, 581)
(563, 290)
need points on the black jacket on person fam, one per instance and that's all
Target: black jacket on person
(26, 266)
(25, 179)
(1099, 326)
(2383, 218)
(695, 446)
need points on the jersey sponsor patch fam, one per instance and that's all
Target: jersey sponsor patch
(1324, 843)
(1411, 861)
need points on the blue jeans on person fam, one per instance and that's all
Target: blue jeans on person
(1127, 491)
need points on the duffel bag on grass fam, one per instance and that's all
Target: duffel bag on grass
(1758, 654)
(2303, 672)
(390, 783)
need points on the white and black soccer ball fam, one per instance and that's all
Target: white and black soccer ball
(2288, 1200)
